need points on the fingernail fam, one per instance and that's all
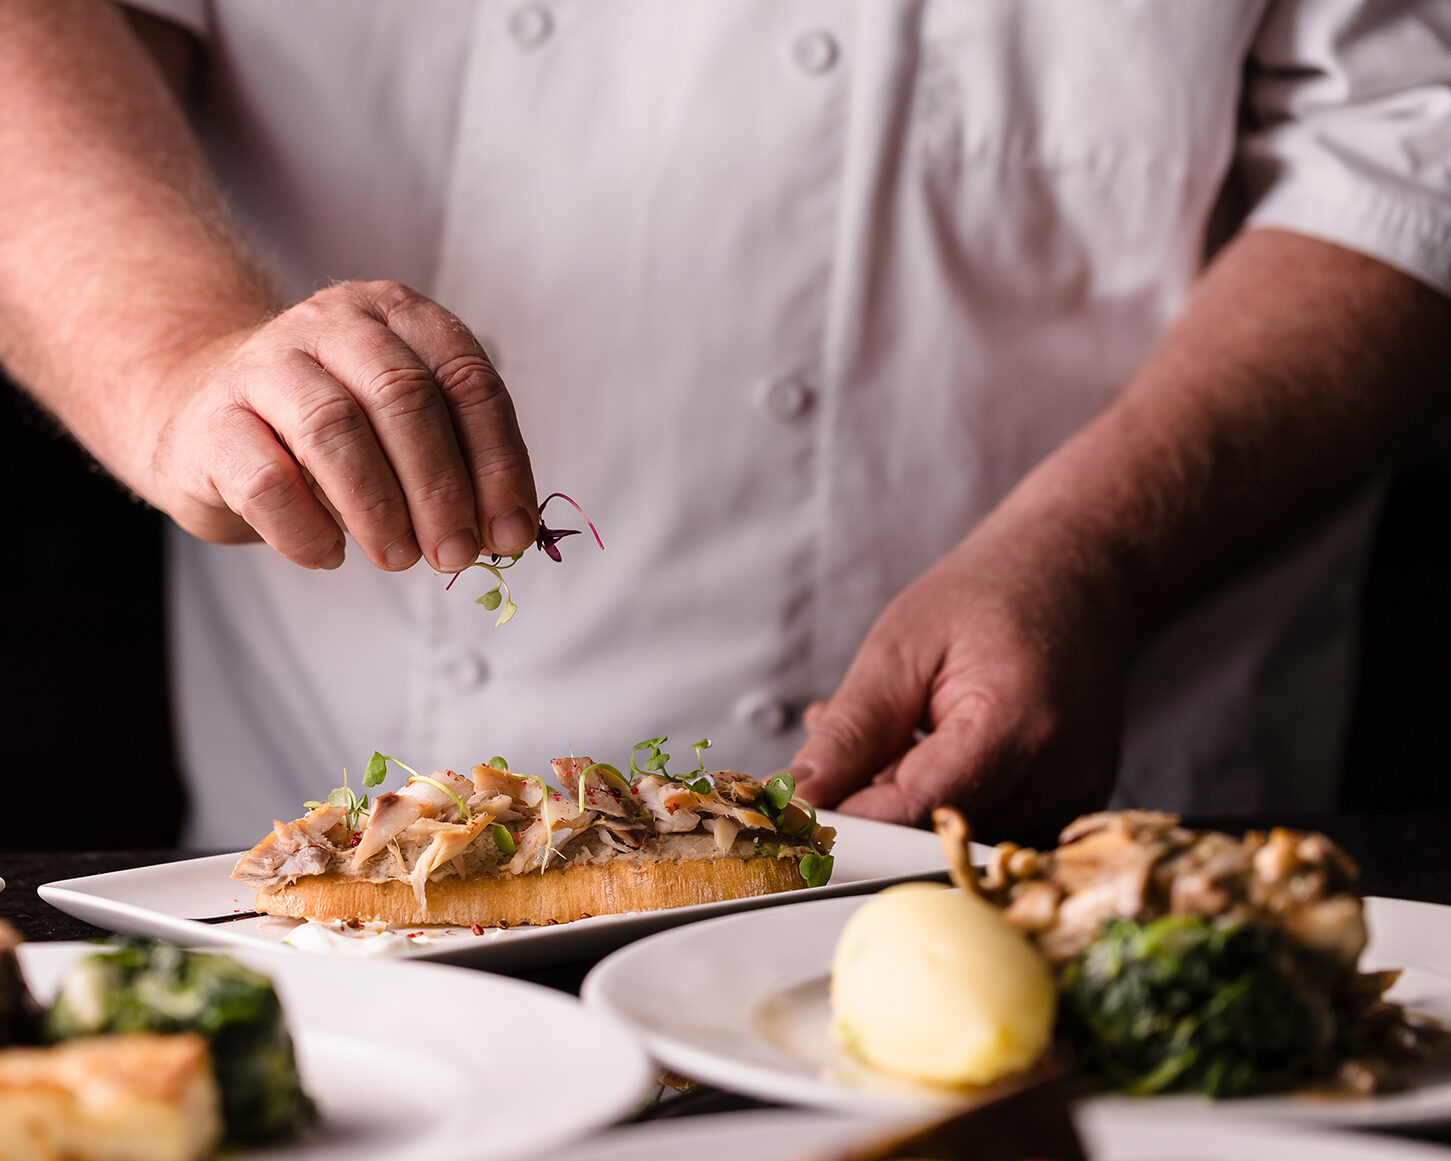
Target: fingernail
(333, 557)
(458, 550)
(403, 551)
(512, 532)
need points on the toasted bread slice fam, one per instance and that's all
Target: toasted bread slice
(557, 895)
(137, 1097)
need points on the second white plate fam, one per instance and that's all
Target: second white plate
(761, 1025)
(417, 1062)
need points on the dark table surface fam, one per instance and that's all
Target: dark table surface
(1400, 855)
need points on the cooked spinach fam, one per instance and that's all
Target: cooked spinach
(157, 987)
(1182, 1004)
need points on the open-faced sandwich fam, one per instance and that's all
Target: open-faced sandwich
(496, 848)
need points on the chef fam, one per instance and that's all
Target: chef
(978, 401)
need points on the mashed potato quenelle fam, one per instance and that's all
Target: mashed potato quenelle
(936, 985)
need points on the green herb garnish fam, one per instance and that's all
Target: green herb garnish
(655, 763)
(816, 868)
(503, 840)
(464, 813)
(547, 541)
(778, 792)
(344, 798)
(378, 768)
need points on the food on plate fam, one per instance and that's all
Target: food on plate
(1183, 961)
(156, 987)
(938, 986)
(1192, 960)
(497, 848)
(156, 1054)
(137, 1097)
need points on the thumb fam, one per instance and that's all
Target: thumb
(864, 728)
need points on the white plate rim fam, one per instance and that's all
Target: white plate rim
(618, 1087)
(115, 900)
(1428, 925)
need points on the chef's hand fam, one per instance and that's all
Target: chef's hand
(366, 408)
(991, 684)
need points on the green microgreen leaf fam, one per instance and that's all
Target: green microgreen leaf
(503, 840)
(816, 869)
(779, 789)
(311, 804)
(339, 796)
(700, 748)
(498, 763)
(655, 763)
(491, 599)
(378, 768)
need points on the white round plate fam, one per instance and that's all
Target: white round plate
(424, 1062)
(1108, 1135)
(742, 1003)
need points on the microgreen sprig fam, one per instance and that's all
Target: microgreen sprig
(378, 770)
(503, 840)
(816, 868)
(611, 775)
(344, 797)
(546, 541)
(655, 763)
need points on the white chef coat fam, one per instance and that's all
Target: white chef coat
(788, 294)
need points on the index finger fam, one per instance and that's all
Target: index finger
(484, 421)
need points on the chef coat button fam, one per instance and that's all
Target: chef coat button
(763, 712)
(815, 52)
(786, 399)
(530, 25)
(465, 672)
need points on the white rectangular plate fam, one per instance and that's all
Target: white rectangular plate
(166, 901)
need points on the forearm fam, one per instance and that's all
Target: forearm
(1298, 371)
(116, 258)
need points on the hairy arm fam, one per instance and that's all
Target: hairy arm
(1298, 372)
(130, 309)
